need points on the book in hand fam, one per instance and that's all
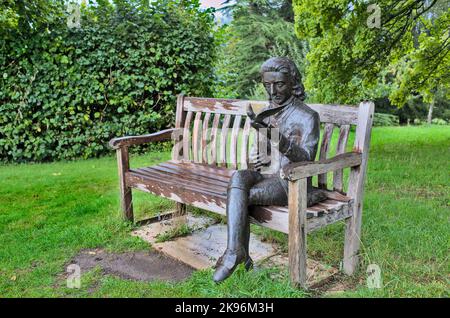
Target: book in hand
(263, 114)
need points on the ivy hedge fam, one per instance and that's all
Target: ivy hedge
(64, 92)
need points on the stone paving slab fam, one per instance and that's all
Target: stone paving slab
(207, 242)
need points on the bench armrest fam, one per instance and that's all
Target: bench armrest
(300, 170)
(162, 135)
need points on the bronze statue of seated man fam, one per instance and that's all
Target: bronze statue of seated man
(293, 133)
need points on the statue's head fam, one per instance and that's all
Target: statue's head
(282, 79)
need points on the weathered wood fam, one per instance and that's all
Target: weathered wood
(205, 137)
(338, 175)
(210, 168)
(198, 174)
(275, 218)
(356, 186)
(127, 141)
(186, 169)
(300, 170)
(157, 218)
(180, 215)
(180, 117)
(297, 231)
(245, 144)
(177, 192)
(181, 209)
(324, 148)
(221, 106)
(187, 136)
(126, 199)
(179, 181)
(335, 114)
(234, 140)
(342, 212)
(333, 195)
(214, 132)
(224, 140)
(196, 137)
(182, 176)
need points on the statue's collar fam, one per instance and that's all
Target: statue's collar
(282, 106)
(289, 101)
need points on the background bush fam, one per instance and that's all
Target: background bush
(65, 92)
(381, 119)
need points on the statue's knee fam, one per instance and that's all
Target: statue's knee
(242, 179)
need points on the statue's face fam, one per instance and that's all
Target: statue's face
(278, 85)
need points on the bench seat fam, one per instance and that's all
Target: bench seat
(205, 186)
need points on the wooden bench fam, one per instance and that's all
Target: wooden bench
(211, 140)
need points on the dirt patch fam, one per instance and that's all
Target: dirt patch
(142, 266)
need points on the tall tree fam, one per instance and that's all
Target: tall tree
(28, 15)
(259, 29)
(353, 42)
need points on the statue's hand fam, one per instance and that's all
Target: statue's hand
(257, 161)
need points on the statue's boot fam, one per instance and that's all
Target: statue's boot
(238, 235)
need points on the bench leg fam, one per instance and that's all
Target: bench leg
(352, 241)
(126, 199)
(297, 232)
(181, 209)
(353, 224)
(179, 216)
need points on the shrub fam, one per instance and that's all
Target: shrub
(65, 92)
(439, 121)
(381, 119)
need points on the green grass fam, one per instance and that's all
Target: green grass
(179, 231)
(49, 212)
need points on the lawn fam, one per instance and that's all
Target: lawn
(49, 212)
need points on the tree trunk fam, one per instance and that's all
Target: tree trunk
(430, 113)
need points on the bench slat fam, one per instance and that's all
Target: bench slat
(184, 173)
(205, 138)
(324, 149)
(177, 192)
(177, 181)
(186, 136)
(209, 168)
(198, 172)
(338, 184)
(196, 137)
(245, 144)
(328, 113)
(214, 132)
(224, 140)
(234, 140)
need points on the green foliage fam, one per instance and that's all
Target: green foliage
(435, 121)
(259, 29)
(415, 108)
(439, 121)
(347, 57)
(65, 92)
(26, 16)
(381, 119)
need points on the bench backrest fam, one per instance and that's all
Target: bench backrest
(218, 131)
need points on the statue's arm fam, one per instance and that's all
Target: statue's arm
(302, 144)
